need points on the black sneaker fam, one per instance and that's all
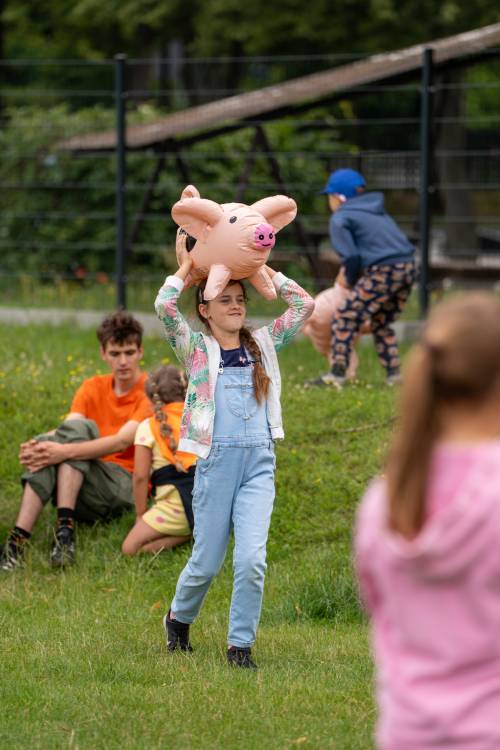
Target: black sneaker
(177, 634)
(63, 549)
(11, 555)
(240, 657)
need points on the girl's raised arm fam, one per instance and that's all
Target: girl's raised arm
(179, 334)
(300, 307)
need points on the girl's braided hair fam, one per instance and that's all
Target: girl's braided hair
(164, 385)
(260, 378)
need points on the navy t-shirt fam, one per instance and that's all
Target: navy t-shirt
(234, 357)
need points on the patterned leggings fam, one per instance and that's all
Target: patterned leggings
(378, 297)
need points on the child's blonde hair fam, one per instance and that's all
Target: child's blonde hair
(163, 386)
(456, 362)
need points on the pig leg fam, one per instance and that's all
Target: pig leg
(262, 282)
(218, 278)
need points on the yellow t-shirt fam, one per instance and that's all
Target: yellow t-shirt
(144, 436)
(167, 514)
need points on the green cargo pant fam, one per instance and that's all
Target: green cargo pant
(106, 491)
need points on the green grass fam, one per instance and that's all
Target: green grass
(82, 652)
(28, 292)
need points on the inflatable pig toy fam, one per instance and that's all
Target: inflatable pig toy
(233, 241)
(319, 326)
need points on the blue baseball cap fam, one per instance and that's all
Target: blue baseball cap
(344, 182)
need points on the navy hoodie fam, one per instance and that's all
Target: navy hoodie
(363, 234)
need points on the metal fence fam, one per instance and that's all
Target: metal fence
(98, 220)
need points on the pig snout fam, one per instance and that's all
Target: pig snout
(264, 237)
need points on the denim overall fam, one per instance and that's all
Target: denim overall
(234, 487)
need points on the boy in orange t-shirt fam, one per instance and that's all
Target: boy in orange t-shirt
(85, 465)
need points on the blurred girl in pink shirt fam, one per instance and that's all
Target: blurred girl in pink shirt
(427, 543)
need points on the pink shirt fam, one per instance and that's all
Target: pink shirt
(434, 604)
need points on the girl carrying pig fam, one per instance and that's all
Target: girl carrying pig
(232, 416)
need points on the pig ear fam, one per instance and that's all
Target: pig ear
(196, 216)
(190, 191)
(278, 210)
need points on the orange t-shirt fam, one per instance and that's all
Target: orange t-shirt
(173, 412)
(95, 399)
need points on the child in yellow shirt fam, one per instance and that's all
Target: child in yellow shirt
(158, 463)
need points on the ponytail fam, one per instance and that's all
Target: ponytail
(456, 366)
(165, 429)
(165, 385)
(409, 460)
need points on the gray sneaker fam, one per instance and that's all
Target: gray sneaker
(328, 379)
(394, 379)
(63, 550)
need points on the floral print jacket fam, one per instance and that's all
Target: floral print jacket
(199, 354)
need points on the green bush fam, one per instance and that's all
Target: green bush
(58, 207)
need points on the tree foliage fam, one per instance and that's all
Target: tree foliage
(51, 221)
(93, 29)
(58, 208)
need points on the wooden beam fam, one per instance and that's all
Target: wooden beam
(302, 236)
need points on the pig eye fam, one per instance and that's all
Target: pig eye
(261, 236)
(271, 235)
(232, 219)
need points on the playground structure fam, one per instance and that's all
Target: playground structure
(440, 60)
(86, 220)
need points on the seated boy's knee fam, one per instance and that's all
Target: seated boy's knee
(78, 430)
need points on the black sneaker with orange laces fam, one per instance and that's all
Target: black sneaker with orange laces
(11, 556)
(12, 552)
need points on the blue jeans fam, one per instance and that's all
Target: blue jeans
(234, 488)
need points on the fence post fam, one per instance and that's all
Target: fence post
(120, 263)
(424, 180)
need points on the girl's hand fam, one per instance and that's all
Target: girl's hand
(184, 270)
(186, 266)
(181, 251)
(183, 256)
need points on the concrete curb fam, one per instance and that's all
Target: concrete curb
(406, 330)
(17, 316)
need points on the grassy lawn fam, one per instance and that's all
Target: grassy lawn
(28, 292)
(82, 652)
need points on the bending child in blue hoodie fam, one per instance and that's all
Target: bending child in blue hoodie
(378, 263)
